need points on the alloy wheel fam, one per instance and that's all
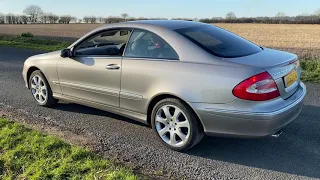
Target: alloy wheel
(39, 89)
(172, 125)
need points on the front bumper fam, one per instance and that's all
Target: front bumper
(24, 75)
(250, 119)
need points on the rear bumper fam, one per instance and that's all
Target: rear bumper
(243, 118)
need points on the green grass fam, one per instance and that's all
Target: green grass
(29, 154)
(34, 43)
(310, 70)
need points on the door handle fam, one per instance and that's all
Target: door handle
(112, 67)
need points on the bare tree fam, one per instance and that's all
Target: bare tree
(317, 13)
(230, 15)
(112, 19)
(131, 19)
(44, 18)
(9, 18)
(93, 19)
(86, 19)
(141, 18)
(55, 18)
(304, 14)
(34, 13)
(183, 19)
(90, 19)
(124, 16)
(24, 19)
(15, 19)
(100, 19)
(52, 18)
(19, 19)
(2, 18)
(280, 15)
(74, 19)
(65, 19)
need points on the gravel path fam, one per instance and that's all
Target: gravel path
(294, 155)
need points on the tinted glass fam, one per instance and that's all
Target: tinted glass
(109, 43)
(144, 44)
(219, 42)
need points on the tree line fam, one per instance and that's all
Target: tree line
(279, 18)
(34, 14)
(44, 19)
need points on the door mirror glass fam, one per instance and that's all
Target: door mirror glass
(65, 53)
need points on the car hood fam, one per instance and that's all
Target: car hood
(50, 55)
(265, 59)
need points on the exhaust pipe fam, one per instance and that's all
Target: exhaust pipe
(277, 134)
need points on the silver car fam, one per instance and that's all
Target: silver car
(185, 79)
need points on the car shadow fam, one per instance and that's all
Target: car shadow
(71, 107)
(296, 151)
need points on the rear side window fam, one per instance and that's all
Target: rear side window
(219, 42)
(145, 44)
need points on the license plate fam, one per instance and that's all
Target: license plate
(291, 78)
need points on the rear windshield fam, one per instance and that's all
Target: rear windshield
(219, 42)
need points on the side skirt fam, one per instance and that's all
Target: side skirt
(123, 112)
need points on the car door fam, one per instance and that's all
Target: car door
(147, 62)
(93, 72)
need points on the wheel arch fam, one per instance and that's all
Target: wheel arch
(154, 100)
(31, 70)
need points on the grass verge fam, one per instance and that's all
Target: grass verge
(310, 70)
(34, 43)
(29, 154)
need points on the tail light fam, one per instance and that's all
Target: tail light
(260, 87)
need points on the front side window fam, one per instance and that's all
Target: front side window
(145, 44)
(219, 42)
(107, 43)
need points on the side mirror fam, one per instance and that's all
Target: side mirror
(66, 53)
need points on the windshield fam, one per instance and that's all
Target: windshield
(219, 42)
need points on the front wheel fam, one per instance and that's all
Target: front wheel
(176, 124)
(41, 90)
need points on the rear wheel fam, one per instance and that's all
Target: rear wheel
(41, 90)
(176, 124)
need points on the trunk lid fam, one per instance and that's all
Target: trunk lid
(282, 66)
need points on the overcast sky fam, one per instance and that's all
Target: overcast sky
(165, 8)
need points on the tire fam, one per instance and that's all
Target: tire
(169, 130)
(40, 89)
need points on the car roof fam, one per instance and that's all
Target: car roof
(166, 30)
(168, 24)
